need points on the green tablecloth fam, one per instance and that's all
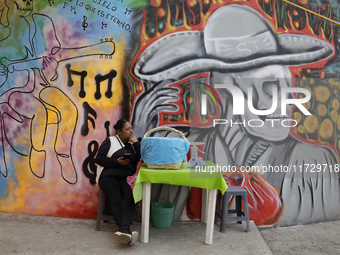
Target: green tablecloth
(184, 176)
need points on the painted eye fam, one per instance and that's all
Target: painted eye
(237, 179)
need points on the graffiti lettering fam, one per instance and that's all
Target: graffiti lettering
(70, 82)
(100, 78)
(106, 4)
(88, 110)
(73, 8)
(90, 8)
(127, 11)
(117, 21)
(101, 13)
(80, 4)
(178, 13)
(234, 48)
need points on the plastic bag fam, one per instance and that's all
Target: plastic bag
(164, 150)
(197, 162)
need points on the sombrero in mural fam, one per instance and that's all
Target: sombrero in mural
(235, 38)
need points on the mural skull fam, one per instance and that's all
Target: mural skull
(21, 5)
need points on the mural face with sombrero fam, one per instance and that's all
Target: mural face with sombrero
(237, 45)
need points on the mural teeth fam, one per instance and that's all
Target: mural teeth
(147, 55)
(142, 59)
(295, 39)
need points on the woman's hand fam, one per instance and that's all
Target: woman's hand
(123, 161)
(133, 139)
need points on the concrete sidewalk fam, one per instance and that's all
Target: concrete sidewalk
(27, 234)
(314, 239)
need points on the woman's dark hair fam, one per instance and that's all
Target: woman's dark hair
(120, 124)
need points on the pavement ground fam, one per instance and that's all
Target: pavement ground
(35, 235)
(314, 239)
(28, 234)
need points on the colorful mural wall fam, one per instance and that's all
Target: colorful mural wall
(70, 69)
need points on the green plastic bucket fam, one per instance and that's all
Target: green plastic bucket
(162, 213)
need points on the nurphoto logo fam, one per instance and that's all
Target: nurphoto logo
(239, 105)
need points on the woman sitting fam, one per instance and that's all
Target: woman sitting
(117, 159)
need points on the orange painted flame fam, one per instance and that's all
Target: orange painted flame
(264, 202)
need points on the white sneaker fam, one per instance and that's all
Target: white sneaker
(123, 236)
(134, 237)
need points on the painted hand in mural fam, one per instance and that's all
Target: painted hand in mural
(49, 70)
(3, 74)
(26, 63)
(155, 100)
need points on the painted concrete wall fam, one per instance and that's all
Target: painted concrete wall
(70, 69)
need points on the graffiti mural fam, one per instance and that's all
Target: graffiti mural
(250, 46)
(230, 74)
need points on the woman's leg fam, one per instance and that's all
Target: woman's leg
(111, 188)
(128, 210)
(128, 203)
